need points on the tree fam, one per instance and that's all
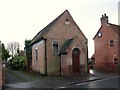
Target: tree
(28, 51)
(5, 53)
(13, 47)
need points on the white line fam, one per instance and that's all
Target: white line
(82, 83)
(96, 81)
(92, 81)
(62, 87)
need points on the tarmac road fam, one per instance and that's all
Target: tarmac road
(112, 82)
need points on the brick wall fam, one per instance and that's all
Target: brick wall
(2, 76)
(60, 32)
(67, 59)
(38, 65)
(104, 53)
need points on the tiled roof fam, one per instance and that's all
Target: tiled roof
(40, 34)
(116, 28)
(65, 46)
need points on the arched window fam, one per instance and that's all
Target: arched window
(55, 48)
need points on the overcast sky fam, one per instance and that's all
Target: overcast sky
(23, 19)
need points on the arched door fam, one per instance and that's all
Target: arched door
(76, 61)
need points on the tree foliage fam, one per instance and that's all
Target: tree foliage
(18, 60)
(28, 50)
(5, 53)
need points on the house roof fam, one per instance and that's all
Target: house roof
(114, 27)
(65, 46)
(97, 32)
(40, 34)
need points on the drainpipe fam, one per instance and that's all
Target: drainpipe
(118, 68)
(87, 58)
(60, 64)
(45, 57)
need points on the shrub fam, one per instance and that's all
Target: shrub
(18, 63)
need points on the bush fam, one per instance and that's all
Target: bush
(18, 63)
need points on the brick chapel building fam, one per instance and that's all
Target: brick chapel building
(60, 48)
(107, 46)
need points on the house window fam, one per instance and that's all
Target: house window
(99, 34)
(111, 43)
(55, 48)
(115, 61)
(36, 53)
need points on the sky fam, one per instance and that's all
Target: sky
(23, 19)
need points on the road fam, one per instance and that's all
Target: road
(18, 79)
(113, 82)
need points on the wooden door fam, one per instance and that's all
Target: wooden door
(75, 59)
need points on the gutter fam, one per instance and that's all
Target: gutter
(87, 58)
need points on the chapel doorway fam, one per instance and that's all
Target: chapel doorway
(76, 61)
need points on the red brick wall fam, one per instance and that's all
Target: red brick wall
(39, 65)
(104, 53)
(61, 32)
(2, 75)
(67, 62)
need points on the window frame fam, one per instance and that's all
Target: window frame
(111, 43)
(99, 34)
(53, 51)
(115, 60)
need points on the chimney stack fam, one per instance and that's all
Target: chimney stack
(104, 19)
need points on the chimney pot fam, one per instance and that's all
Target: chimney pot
(104, 19)
(105, 14)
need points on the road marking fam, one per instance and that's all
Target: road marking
(82, 83)
(62, 87)
(93, 81)
(97, 80)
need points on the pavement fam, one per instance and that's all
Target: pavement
(103, 74)
(25, 80)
